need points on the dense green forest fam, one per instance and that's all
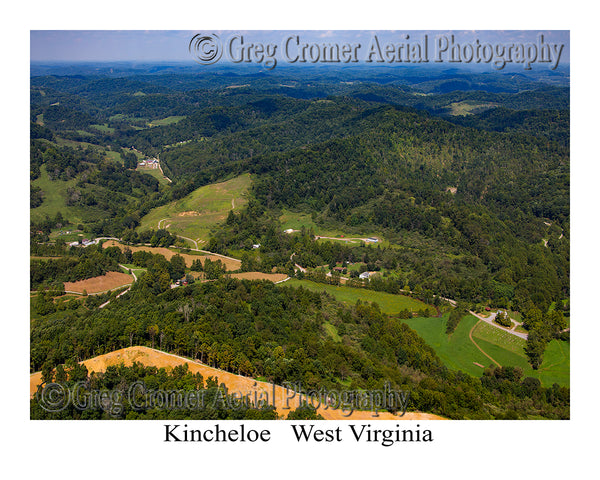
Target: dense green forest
(464, 177)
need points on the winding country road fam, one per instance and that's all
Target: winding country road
(490, 320)
(344, 239)
(161, 171)
(193, 241)
(124, 291)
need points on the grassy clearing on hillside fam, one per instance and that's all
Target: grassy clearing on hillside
(124, 117)
(137, 271)
(75, 144)
(297, 220)
(168, 253)
(487, 332)
(556, 366)
(104, 128)
(166, 121)
(137, 153)
(108, 281)
(194, 215)
(388, 303)
(114, 156)
(554, 369)
(332, 331)
(55, 193)
(469, 107)
(272, 277)
(155, 172)
(458, 352)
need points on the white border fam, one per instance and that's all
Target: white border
(470, 449)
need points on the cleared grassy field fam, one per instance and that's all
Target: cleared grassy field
(104, 128)
(296, 221)
(388, 303)
(556, 366)
(166, 121)
(124, 117)
(194, 215)
(137, 271)
(272, 277)
(332, 331)
(458, 352)
(114, 156)
(74, 144)
(469, 107)
(55, 193)
(484, 331)
(155, 172)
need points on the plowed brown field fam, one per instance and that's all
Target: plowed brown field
(105, 282)
(230, 264)
(274, 277)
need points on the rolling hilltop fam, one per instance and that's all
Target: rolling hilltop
(390, 204)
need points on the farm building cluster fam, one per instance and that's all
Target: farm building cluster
(149, 162)
(84, 242)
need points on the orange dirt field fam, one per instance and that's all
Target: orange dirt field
(234, 383)
(230, 264)
(274, 277)
(105, 282)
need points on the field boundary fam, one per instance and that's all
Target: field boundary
(478, 347)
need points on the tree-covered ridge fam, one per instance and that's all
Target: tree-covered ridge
(133, 392)
(75, 105)
(473, 207)
(261, 330)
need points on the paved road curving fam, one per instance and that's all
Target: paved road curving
(490, 320)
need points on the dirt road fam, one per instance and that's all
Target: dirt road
(478, 347)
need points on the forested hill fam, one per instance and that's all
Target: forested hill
(444, 184)
(472, 183)
(454, 197)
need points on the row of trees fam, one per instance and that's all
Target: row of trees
(138, 392)
(81, 264)
(542, 327)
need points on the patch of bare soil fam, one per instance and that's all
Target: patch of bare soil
(230, 263)
(277, 395)
(105, 282)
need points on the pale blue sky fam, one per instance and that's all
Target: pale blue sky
(159, 45)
